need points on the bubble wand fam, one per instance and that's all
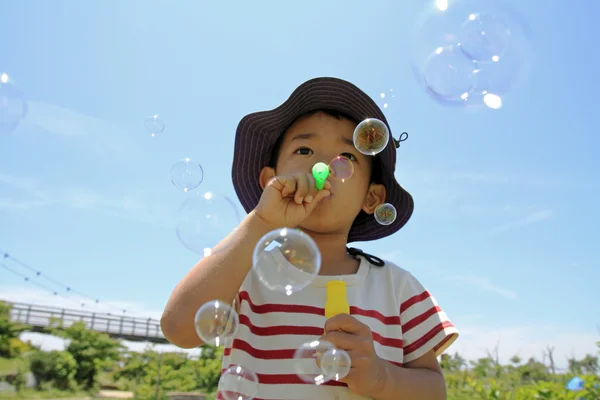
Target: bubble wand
(320, 172)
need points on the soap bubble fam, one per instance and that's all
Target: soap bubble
(205, 219)
(238, 383)
(484, 37)
(13, 106)
(286, 260)
(216, 322)
(335, 363)
(449, 75)
(371, 136)
(385, 214)
(318, 362)
(154, 125)
(341, 168)
(455, 40)
(186, 175)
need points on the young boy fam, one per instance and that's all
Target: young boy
(395, 328)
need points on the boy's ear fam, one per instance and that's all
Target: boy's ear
(265, 176)
(375, 197)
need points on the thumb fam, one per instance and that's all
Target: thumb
(321, 194)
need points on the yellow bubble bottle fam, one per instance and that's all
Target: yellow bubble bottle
(336, 301)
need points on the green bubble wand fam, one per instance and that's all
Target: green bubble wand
(320, 172)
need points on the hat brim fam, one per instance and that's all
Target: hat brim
(258, 132)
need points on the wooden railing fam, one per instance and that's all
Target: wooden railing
(123, 327)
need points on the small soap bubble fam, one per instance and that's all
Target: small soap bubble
(238, 383)
(154, 125)
(385, 214)
(13, 106)
(186, 175)
(335, 363)
(216, 322)
(371, 136)
(455, 40)
(286, 260)
(449, 75)
(341, 168)
(318, 362)
(204, 219)
(484, 37)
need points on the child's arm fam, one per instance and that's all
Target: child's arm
(421, 379)
(216, 277)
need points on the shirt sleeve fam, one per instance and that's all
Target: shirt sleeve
(425, 326)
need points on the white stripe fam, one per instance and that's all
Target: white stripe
(306, 392)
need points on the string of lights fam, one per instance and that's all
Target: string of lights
(39, 274)
(29, 280)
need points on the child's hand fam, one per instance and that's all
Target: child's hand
(367, 371)
(289, 200)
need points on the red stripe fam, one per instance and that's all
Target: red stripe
(288, 379)
(280, 329)
(260, 354)
(391, 320)
(307, 330)
(414, 300)
(301, 309)
(427, 337)
(419, 319)
(285, 308)
(279, 354)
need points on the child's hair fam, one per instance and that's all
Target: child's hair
(375, 173)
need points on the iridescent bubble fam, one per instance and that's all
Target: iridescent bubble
(318, 362)
(238, 383)
(216, 322)
(448, 74)
(186, 175)
(484, 37)
(286, 260)
(335, 363)
(154, 125)
(204, 219)
(485, 92)
(13, 106)
(385, 214)
(371, 136)
(453, 40)
(341, 168)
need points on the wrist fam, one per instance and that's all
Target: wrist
(258, 222)
(382, 378)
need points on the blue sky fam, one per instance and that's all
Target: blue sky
(506, 201)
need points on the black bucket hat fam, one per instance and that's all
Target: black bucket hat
(258, 132)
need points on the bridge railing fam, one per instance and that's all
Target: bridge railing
(119, 326)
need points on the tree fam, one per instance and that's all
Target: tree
(56, 367)
(91, 350)
(10, 345)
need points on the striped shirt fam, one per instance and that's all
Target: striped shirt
(405, 320)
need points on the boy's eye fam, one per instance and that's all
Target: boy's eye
(349, 156)
(305, 151)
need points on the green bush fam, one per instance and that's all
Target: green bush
(55, 367)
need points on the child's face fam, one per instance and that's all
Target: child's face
(321, 138)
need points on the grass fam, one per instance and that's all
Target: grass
(44, 395)
(11, 366)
